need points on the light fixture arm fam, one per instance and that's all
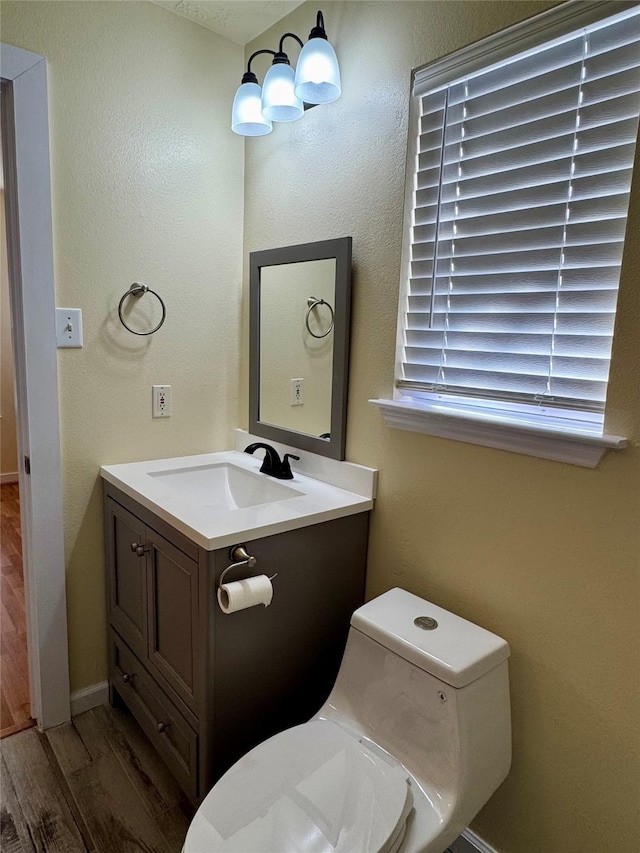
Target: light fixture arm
(290, 35)
(249, 76)
(318, 32)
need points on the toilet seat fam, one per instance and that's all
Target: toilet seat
(314, 788)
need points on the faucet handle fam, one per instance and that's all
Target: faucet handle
(285, 468)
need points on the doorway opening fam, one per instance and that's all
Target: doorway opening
(15, 703)
(29, 255)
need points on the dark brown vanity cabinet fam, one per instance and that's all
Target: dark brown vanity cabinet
(207, 686)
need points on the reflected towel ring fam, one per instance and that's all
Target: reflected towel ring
(138, 290)
(312, 302)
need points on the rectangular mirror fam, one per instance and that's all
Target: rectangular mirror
(300, 311)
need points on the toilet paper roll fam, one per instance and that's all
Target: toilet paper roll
(239, 595)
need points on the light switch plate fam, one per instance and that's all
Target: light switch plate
(68, 327)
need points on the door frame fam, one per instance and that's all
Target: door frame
(25, 138)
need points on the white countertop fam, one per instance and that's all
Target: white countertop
(213, 528)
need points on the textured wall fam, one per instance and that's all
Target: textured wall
(146, 186)
(542, 553)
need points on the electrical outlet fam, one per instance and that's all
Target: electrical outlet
(297, 392)
(161, 401)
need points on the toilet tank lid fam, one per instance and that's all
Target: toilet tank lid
(456, 651)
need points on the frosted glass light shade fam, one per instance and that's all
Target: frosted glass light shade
(246, 115)
(317, 73)
(279, 101)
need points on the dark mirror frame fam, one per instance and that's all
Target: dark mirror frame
(340, 249)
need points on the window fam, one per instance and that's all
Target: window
(518, 183)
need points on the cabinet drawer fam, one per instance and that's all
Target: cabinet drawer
(163, 724)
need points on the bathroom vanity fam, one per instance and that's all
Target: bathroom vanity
(207, 686)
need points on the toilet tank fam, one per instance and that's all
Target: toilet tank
(444, 645)
(431, 689)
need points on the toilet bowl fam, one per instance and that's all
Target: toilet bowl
(411, 743)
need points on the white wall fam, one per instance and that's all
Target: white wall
(147, 185)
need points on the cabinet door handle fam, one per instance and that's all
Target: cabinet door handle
(127, 676)
(140, 550)
(162, 727)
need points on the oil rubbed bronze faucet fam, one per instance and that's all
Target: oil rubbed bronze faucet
(272, 464)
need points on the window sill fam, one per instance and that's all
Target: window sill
(576, 448)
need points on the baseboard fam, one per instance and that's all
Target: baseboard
(469, 842)
(89, 697)
(10, 477)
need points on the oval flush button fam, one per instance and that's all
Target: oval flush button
(425, 622)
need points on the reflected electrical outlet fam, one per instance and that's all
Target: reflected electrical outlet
(297, 392)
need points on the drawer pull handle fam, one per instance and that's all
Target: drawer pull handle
(127, 676)
(140, 550)
(162, 727)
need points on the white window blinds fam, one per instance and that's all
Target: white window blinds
(520, 198)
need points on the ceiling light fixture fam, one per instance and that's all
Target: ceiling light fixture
(285, 95)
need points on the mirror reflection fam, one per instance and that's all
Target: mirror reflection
(296, 346)
(300, 307)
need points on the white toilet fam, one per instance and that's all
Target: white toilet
(411, 743)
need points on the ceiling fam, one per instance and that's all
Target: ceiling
(238, 20)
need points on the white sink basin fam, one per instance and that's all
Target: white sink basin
(222, 486)
(220, 499)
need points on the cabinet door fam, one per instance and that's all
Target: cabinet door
(173, 616)
(127, 576)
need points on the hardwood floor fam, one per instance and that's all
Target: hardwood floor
(14, 667)
(94, 785)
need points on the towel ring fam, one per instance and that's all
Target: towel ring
(312, 302)
(138, 290)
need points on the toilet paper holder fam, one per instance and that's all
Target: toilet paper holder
(241, 557)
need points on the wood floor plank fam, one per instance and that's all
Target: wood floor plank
(65, 790)
(15, 707)
(14, 833)
(155, 785)
(93, 734)
(174, 824)
(68, 747)
(13, 631)
(6, 717)
(115, 815)
(8, 614)
(14, 603)
(12, 576)
(51, 824)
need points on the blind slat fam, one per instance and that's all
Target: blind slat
(589, 278)
(551, 237)
(609, 208)
(492, 303)
(576, 346)
(536, 323)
